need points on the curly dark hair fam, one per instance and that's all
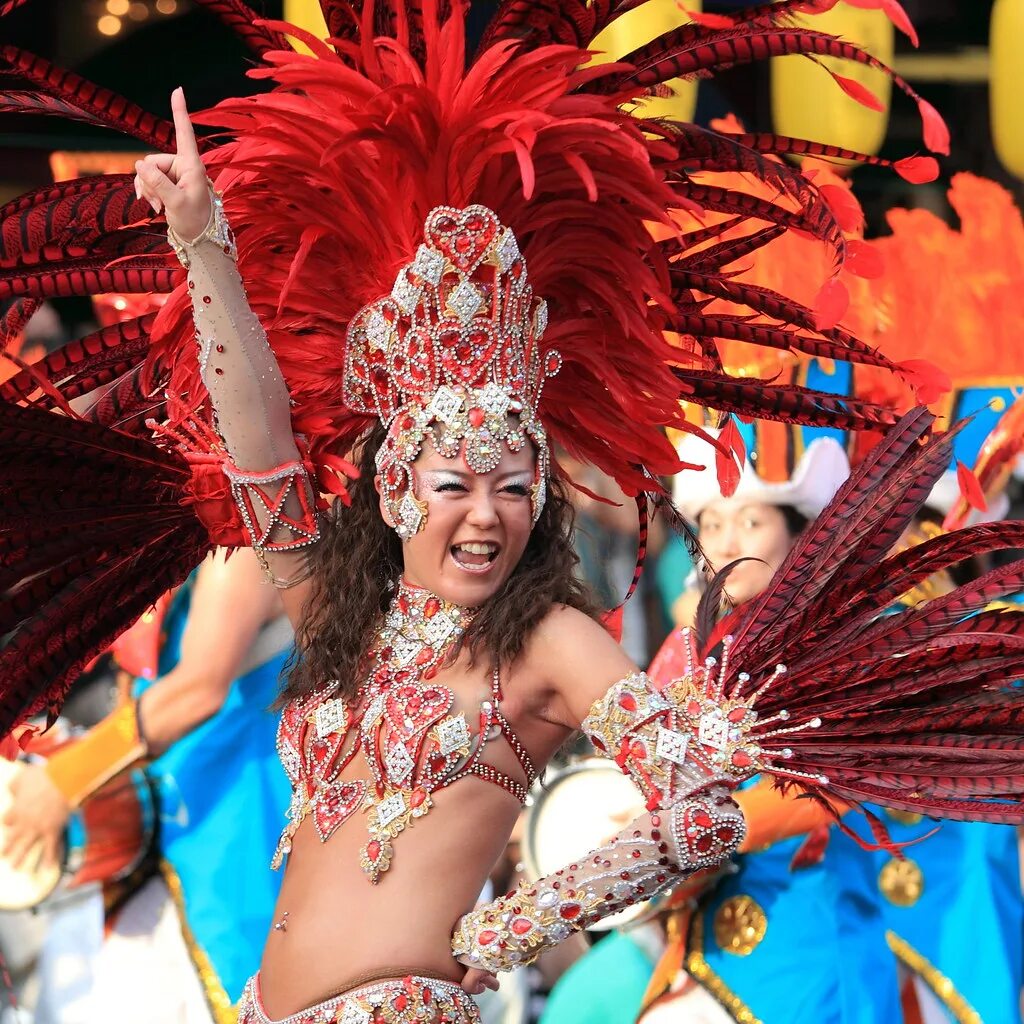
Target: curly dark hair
(359, 559)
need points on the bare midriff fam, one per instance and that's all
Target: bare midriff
(342, 929)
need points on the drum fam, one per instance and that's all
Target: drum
(30, 884)
(578, 808)
(107, 839)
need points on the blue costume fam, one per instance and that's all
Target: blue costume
(953, 906)
(220, 790)
(803, 945)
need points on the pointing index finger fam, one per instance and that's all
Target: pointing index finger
(184, 134)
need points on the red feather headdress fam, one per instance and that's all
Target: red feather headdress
(327, 179)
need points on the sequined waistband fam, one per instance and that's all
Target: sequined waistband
(389, 1000)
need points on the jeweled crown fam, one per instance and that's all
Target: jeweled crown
(452, 353)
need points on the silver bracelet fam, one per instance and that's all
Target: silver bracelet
(217, 230)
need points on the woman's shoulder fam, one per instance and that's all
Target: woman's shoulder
(567, 641)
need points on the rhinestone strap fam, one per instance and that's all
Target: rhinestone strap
(217, 230)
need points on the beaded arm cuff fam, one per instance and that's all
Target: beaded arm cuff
(251, 405)
(652, 855)
(691, 824)
(262, 500)
(651, 739)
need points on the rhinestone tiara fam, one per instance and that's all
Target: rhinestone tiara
(453, 353)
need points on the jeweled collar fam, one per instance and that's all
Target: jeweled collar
(419, 631)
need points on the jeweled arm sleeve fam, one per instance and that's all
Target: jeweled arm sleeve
(692, 823)
(251, 405)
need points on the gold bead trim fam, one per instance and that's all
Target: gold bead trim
(943, 987)
(700, 970)
(221, 1008)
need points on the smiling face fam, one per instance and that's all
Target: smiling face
(732, 528)
(476, 527)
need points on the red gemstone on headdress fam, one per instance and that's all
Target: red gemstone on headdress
(569, 911)
(400, 1002)
(742, 759)
(474, 222)
(418, 796)
(463, 243)
(521, 925)
(446, 223)
(476, 416)
(485, 938)
(627, 702)
(427, 654)
(693, 708)
(703, 819)
(432, 607)
(737, 714)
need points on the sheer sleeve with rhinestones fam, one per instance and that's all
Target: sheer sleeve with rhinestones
(251, 406)
(691, 824)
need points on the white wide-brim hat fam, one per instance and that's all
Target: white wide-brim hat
(820, 471)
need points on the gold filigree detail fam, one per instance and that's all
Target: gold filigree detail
(740, 925)
(221, 1007)
(943, 987)
(901, 882)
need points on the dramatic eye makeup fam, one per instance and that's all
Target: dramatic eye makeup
(441, 482)
(518, 486)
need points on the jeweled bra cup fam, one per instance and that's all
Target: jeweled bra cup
(403, 724)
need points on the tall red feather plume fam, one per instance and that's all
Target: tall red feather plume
(328, 176)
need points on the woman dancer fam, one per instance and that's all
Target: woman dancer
(446, 649)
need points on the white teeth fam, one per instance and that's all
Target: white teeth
(477, 549)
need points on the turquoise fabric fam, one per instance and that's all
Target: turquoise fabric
(222, 793)
(606, 986)
(824, 958)
(969, 921)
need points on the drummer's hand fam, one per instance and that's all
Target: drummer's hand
(176, 182)
(38, 812)
(475, 981)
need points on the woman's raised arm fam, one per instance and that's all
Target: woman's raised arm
(249, 396)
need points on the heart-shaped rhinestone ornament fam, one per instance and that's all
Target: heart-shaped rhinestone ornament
(453, 354)
(400, 722)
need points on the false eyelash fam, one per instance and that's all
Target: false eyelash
(519, 490)
(449, 485)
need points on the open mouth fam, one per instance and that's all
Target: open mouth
(475, 556)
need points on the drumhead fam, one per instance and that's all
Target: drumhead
(578, 808)
(21, 889)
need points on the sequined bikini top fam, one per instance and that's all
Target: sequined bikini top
(404, 725)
